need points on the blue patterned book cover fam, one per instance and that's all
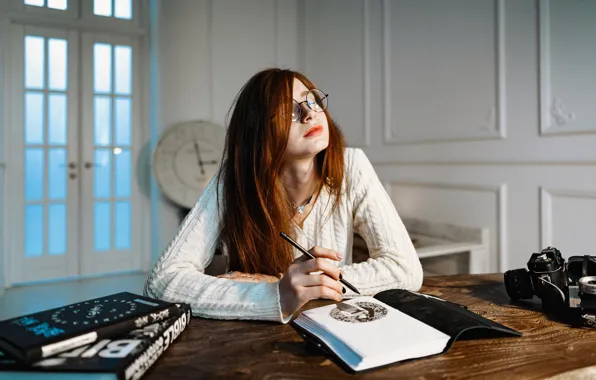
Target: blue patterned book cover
(125, 357)
(47, 333)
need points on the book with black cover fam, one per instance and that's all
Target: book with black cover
(46, 333)
(124, 358)
(393, 326)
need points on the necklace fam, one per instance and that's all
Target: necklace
(300, 208)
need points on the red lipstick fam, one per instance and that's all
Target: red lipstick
(315, 130)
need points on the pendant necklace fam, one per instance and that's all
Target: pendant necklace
(300, 208)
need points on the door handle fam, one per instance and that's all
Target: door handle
(71, 165)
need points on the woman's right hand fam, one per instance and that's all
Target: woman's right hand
(298, 286)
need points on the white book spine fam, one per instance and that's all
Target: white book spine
(68, 344)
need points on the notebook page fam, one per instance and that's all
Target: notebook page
(377, 329)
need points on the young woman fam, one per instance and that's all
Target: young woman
(285, 169)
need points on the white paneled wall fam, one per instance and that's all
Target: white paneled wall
(479, 112)
(334, 44)
(3, 94)
(476, 112)
(567, 80)
(2, 245)
(442, 71)
(208, 50)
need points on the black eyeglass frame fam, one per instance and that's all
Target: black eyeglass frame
(299, 104)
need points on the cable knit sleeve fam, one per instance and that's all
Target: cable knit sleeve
(394, 262)
(178, 275)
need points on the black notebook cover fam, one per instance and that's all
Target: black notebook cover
(125, 357)
(450, 318)
(39, 335)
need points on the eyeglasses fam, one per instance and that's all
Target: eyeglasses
(316, 100)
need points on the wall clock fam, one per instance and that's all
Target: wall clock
(187, 155)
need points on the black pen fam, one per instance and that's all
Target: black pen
(301, 249)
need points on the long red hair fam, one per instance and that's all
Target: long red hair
(256, 207)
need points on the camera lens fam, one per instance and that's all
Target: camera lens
(518, 284)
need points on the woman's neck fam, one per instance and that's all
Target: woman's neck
(300, 178)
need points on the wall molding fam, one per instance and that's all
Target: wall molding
(492, 127)
(500, 192)
(276, 32)
(210, 90)
(556, 117)
(546, 209)
(366, 72)
(359, 131)
(4, 121)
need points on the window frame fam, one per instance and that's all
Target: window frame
(134, 23)
(71, 12)
(79, 15)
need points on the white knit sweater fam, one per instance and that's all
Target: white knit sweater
(366, 208)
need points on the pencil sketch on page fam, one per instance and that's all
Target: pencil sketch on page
(358, 312)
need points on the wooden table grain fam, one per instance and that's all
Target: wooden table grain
(210, 349)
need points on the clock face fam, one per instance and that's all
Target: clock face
(90, 313)
(186, 157)
(192, 172)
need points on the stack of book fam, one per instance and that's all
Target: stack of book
(119, 336)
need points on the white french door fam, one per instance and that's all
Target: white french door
(110, 233)
(73, 197)
(43, 188)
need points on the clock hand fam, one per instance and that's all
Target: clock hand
(198, 154)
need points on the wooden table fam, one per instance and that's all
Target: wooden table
(258, 350)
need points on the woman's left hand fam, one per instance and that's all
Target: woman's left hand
(248, 277)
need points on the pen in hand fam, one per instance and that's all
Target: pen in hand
(304, 251)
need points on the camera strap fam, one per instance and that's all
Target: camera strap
(585, 265)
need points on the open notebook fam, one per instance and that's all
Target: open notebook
(393, 326)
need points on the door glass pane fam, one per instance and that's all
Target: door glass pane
(34, 118)
(123, 9)
(122, 224)
(34, 165)
(45, 123)
(57, 56)
(57, 173)
(102, 7)
(57, 119)
(34, 62)
(102, 173)
(57, 229)
(37, 3)
(58, 4)
(102, 226)
(122, 169)
(123, 121)
(123, 58)
(103, 117)
(102, 68)
(34, 230)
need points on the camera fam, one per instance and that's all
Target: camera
(567, 289)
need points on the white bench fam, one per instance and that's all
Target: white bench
(433, 240)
